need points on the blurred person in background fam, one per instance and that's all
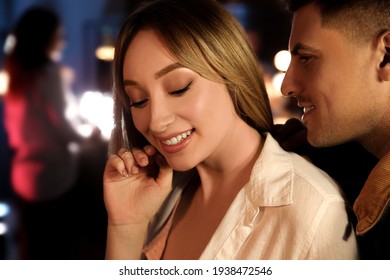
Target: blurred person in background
(44, 144)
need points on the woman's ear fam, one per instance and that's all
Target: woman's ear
(384, 48)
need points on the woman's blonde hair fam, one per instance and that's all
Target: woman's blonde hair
(204, 37)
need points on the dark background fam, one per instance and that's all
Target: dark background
(85, 22)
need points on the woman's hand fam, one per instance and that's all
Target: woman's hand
(136, 182)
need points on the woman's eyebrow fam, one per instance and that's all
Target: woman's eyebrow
(167, 69)
(158, 74)
(129, 83)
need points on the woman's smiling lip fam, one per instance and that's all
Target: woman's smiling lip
(177, 142)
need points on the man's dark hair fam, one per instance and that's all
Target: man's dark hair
(358, 19)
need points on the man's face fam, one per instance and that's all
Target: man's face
(334, 80)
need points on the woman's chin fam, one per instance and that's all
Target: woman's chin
(181, 167)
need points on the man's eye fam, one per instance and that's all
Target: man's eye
(139, 104)
(304, 58)
(181, 91)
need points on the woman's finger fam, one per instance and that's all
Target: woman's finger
(116, 164)
(150, 150)
(140, 157)
(129, 160)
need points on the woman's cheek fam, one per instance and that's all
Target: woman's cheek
(140, 122)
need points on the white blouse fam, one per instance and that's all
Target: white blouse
(289, 209)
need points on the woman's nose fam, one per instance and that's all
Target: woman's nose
(161, 116)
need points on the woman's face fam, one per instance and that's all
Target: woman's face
(57, 45)
(185, 116)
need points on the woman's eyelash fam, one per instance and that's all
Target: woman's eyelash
(141, 103)
(138, 104)
(181, 91)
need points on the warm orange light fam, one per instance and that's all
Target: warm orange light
(105, 53)
(4, 81)
(282, 60)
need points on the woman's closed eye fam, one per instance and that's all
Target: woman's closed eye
(139, 104)
(142, 103)
(181, 91)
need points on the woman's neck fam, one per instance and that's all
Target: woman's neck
(229, 169)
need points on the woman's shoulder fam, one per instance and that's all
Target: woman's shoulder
(305, 172)
(300, 171)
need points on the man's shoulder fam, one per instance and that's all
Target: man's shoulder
(375, 244)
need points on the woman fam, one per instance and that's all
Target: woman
(44, 167)
(195, 172)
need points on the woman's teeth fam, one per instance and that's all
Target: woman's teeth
(177, 139)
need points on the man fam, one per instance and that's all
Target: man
(340, 75)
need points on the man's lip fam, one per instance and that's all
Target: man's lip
(308, 108)
(305, 105)
(307, 112)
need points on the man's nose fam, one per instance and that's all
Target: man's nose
(289, 87)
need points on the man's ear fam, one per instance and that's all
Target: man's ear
(384, 48)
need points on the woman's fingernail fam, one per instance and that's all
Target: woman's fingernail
(125, 173)
(149, 149)
(134, 169)
(144, 161)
